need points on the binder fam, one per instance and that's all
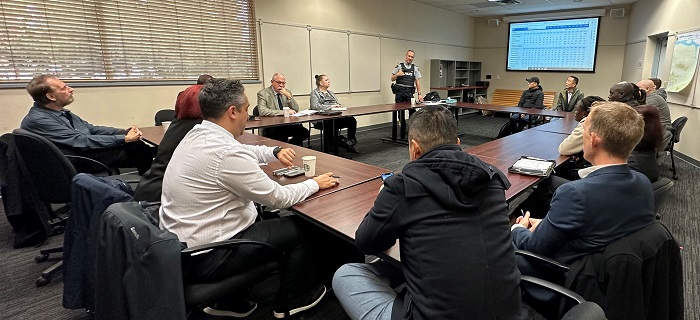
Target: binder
(533, 166)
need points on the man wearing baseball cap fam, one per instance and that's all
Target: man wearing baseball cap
(531, 98)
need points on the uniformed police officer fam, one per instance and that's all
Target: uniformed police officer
(406, 75)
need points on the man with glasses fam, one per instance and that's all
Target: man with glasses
(271, 102)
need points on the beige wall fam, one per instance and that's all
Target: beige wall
(491, 50)
(650, 17)
(123, 106)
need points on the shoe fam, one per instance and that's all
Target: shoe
(352, 149)
(352, 141)
(306, 302)
(238, 309)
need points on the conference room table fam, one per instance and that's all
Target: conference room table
(340, 210)
(564, 126)
(397, 134)
(350, 173)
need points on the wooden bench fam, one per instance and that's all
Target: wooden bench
(510, 98)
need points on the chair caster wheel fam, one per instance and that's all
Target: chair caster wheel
(42, 281)
(41, 258)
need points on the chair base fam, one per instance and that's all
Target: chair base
(46, 275)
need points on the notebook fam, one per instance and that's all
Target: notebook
(533, 166)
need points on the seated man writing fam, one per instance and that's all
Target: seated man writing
(209, 188)
(609, 202)
(448, 210)
(116, 148)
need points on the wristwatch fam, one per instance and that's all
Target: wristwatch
(276, 151)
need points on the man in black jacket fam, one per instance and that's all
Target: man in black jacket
(533, 97)
(448, 211)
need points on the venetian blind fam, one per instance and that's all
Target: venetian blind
(127, 39)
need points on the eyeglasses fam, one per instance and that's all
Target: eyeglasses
(279, 82)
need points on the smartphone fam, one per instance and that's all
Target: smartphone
(386, 175)
(294, 173)
(281, 172)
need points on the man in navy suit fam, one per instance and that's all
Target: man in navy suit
(608, 203)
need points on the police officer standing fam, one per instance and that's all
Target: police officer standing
(406, 75)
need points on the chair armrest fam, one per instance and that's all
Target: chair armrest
(553, 287)
(542, 260)
(231, 244)
(92, 162)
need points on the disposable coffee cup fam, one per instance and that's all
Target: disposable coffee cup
(309, 166)
(166, 125)
(286, 112)
(413, 101)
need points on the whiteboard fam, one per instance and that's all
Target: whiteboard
(286, 50)
(365, 68)
(329, 56)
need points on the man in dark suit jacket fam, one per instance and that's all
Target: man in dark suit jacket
(608, 203)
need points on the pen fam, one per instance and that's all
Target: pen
(533, 158)
(337, 177)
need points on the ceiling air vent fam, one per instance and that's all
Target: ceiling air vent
(506, 1)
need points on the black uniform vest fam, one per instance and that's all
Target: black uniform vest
(409, 77)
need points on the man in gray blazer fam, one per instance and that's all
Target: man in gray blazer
(271, 102)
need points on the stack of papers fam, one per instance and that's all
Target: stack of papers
(304, 113)
(532, 166)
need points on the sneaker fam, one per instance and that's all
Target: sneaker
(238, 309)
(306, 302)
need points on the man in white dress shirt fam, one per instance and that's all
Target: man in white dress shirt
(209, 188)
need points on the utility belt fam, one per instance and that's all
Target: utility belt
(396, 88)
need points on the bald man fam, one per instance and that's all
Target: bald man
(654, 99)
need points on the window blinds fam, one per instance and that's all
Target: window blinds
(129, 40)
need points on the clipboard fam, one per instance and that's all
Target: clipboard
(533, 166)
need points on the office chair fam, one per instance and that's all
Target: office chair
(581, 310)
(127, 243)
(51, 172)
(164, 115)
(637, 276)
(661, 189)
(676, 128)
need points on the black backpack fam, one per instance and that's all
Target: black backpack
(432, 96)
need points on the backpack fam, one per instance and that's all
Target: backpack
(432, 96)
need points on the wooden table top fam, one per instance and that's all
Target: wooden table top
(263, 122)
(153, 135)
(530, 111)
(564, 126)
(533, 143)
(351, 172)
(342, 212)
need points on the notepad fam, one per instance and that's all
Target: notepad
(304, 113)
(533, 166)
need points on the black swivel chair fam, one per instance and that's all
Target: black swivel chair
(676, 128)
(164, 115)
(51, 173)
(652, 268)
(661, 189)
(197, 293)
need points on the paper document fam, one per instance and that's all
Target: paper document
(304, 113)
(532, 166)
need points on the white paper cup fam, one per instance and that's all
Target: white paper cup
(413, 101)
(286, 112)
(309, 166)
(166, 125)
